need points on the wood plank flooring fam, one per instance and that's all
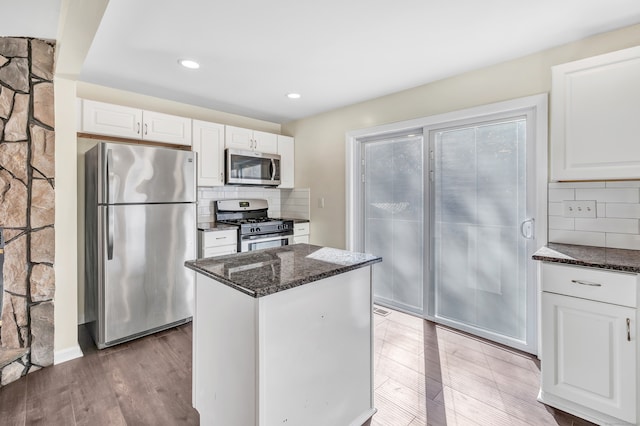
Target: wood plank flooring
(424, 375)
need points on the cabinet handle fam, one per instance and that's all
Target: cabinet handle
(221, 177)
(221, 238)
(589, 283)
(145, 129)
(138, 130)
(628, 330)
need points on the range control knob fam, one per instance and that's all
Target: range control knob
(257, 229)
(252, 230)
(279, 227)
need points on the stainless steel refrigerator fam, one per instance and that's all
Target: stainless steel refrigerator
(140, 227)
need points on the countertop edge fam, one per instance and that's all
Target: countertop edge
(576, 262)
(621, 260)
(273, 289)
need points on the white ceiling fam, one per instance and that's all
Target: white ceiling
(334, 52)
(29, 18)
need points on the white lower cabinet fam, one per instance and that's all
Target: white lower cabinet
(589, 348)
(301, 233)
(217, 243)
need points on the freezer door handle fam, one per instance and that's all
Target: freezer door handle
(109, 175)
(110, 225)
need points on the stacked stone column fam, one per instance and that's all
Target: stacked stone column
(26, 204)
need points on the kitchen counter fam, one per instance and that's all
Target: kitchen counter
(284, 336)
(214, 226)
(595, 257)
(264, 272)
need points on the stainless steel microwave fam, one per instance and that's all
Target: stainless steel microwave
(251, 168)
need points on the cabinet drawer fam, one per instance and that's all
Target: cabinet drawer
(590, 283)
(220, 250)
(220, 238)
(301, 228)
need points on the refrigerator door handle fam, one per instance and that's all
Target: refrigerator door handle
(110, 226)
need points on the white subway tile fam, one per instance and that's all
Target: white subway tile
(556, 209)
(560, 222)
(601, 209)
(561, 194)
(621, 226)
(623, 241)
(577, 237)
(577, 185)
(609, 195)
(624, 184)
(623, 210)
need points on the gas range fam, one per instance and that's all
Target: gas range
(256, 230)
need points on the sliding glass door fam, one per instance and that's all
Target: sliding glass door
(449, 203)
(393, 204)
(481, 229)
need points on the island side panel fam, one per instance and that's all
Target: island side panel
(224, 362)
(315, 353)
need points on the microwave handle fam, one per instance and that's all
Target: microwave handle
(273, 169)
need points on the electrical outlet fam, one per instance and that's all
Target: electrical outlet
(581, 208)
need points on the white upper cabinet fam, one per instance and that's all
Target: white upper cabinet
(251, 140)
(595, 111)
(208, 142)
(287, 161)
(120, 121)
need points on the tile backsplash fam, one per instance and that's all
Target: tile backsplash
(617, 221)
(290, 203)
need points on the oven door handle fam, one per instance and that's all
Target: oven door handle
(258, 238)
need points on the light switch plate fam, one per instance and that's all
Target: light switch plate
(580, 208)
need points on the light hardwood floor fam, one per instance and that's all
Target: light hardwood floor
(424, 374)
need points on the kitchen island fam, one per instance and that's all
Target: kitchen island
(284, 336)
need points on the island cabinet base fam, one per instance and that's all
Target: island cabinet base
(303, 356)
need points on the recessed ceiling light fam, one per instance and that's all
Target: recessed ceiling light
(188, 63)
(293, 95)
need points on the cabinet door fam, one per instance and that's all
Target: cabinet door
(287, 161)
(208, 142)
(594, 134)
(238, 138)
(111, 120)
(265, 142)
(301, 239)
(220, 251)
(166, 128)
(586, 355)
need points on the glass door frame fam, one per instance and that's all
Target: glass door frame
(538, 107)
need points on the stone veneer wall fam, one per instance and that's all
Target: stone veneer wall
(26, 205)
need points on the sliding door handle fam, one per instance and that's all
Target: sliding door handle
(527, 228)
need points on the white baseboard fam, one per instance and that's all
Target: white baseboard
(67, 354)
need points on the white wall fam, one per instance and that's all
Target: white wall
(78, 22)
(320, 140)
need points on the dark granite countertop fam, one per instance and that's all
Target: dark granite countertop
(214, 226)
(264, 272)
(300, 220)
(596, 257)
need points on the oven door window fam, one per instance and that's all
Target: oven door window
(257, 245)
